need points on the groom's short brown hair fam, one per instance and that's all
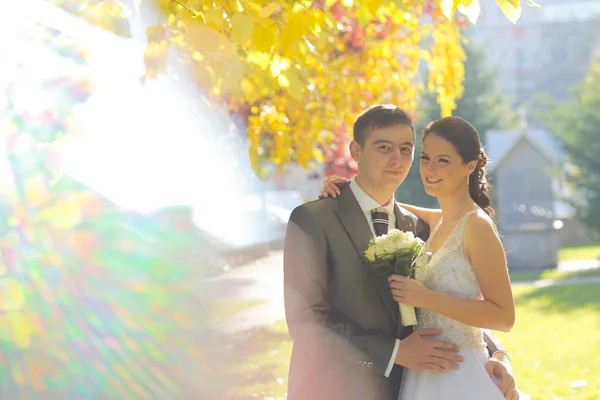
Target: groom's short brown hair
(379, 116)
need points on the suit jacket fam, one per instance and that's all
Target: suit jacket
(341, 316)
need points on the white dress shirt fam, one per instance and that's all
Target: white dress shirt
(367, 204)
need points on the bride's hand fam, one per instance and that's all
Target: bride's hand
(407, 291)
(330, 187)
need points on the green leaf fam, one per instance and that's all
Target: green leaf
(403, 266)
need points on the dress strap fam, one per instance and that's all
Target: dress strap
(465, 217)
(460, 227)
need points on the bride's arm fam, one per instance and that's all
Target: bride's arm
(496, 310)
(430, 216)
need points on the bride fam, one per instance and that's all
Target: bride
(462, 286)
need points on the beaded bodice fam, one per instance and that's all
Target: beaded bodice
(450, 272)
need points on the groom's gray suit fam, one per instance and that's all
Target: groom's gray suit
(340, 315)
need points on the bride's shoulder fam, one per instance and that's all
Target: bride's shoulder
(479, 226)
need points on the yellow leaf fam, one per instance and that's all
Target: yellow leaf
(278, 65)
(348, 3)
(171, 20)
(318, 155)
(203, 39)
(471, 11)
(12, 296)
(449, 8)
(374, 5)
(267, 11)
(511, 8)
(296, 86)
(261, 59)
(178, 40)
(296, 27)
(242, 27)
(232, 71)
(283, 81)
(16, 328)
(264, 37)
(215, 16)
(330, 3)
(264, 80)
(250, 93)
(317, 19)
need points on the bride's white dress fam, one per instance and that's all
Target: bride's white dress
(450, 272)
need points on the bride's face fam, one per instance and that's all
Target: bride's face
(443, 170)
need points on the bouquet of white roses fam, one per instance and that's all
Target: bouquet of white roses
(396, 253)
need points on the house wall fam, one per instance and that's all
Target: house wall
(575, 233)
(524, 199)
(531, 249)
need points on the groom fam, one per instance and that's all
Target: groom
(348, 340)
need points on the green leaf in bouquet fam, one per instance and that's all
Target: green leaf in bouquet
(382, 266)
(403, 265)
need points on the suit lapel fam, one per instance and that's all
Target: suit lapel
(353, 219)
(403, 220)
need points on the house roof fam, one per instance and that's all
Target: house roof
(500, 143)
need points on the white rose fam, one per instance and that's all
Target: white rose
(370, 253)
(394, 233)
(409, 237)
(390, 246)
(379, 249)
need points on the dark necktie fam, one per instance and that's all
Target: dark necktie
(380, 222)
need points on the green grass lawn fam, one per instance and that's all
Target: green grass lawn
(520, 276)
(579, 253)
(555, 342)
(565, 254)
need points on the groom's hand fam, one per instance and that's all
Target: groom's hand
(418, 352)
(499, 366)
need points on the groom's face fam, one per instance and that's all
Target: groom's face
(386, 156)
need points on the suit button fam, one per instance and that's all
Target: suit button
(370, 364)
(359, 363)
(364, 363)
